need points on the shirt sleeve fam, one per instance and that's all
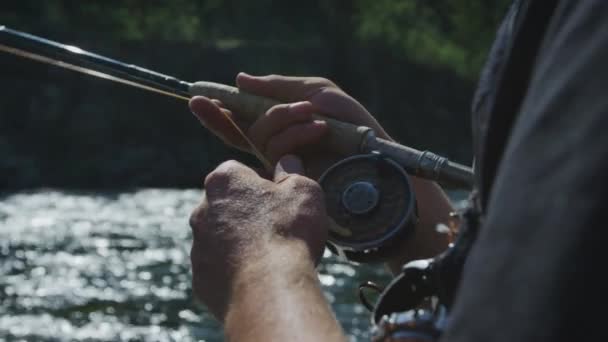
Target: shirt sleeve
(535, 271)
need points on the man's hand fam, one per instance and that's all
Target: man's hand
(243, 218)
(256, 244)
(289, 128)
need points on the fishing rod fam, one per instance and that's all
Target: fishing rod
(368, 194)
(344, 138)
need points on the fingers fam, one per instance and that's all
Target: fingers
(215, 118)
(282, 88)
(277, 119)
(286, 166)
(295, 136)
(229, 178)
(284, 128)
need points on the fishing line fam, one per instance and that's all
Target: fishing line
(87, 71)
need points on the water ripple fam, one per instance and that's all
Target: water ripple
(115, 267)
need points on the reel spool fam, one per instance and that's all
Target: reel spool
(371, 204)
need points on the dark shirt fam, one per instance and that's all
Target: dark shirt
(534, 273)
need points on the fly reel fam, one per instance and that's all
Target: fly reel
(371, 204)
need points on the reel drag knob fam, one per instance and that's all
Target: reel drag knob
(360, 197)
(370, 203)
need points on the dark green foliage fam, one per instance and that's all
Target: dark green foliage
(453, 33)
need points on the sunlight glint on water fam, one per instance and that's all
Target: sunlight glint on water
(115, 267)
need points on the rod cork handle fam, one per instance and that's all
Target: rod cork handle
(344, 138)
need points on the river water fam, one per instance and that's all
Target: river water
(78, 266)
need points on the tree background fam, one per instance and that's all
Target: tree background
(412, 63)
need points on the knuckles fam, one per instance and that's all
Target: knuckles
(304, 187)
(230, 167)
(277, 110)
(216, 179)
(319, 82)
(197, 218)
(220, 177)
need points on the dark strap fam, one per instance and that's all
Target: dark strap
(531, 22)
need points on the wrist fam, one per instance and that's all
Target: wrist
(279, 297)
(279, 259)
(280, 265)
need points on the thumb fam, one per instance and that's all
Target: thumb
(282, 88)
(288, 164)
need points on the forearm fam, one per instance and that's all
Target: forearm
(434, 207)
(279, 298)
